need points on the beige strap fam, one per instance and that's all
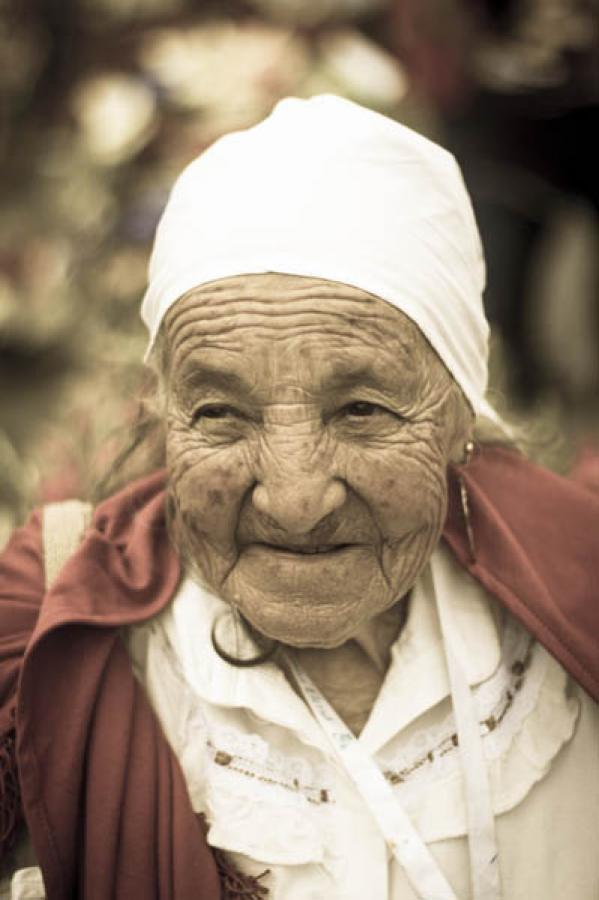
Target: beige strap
(63, 525)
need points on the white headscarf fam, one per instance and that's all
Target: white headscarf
(326, 188)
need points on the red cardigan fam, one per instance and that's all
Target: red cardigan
(102, 794)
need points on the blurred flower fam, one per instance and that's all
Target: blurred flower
(507, 65)
(362, 69)
(557, 24)
(231, 72)
(534, 55)
(116, 114)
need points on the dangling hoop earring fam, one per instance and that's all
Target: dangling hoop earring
(468, 453)
(240, 662)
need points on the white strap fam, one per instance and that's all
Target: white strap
(403, 840)
(482, 843)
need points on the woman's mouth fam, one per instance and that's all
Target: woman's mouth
(306, 549)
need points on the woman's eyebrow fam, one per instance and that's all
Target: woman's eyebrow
(356, 378)
(203, 375)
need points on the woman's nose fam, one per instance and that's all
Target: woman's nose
(298, 504)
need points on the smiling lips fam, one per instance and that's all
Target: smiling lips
(305, 550)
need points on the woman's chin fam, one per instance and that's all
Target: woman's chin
(308, 627)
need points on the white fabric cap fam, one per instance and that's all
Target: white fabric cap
(326, 188)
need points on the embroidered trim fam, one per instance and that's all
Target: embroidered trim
(245, 754)
(266, 773)
(487, 725)
(503, 702)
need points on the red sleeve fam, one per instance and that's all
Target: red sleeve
(21, 592)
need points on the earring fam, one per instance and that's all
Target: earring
(243, 661)
(468, 453)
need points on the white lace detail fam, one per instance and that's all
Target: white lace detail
(503, 702)
(233, 752)
(250, 755)
(245, 759)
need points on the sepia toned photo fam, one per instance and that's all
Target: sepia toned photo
(299, 450)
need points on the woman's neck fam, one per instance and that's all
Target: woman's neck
(351, 676)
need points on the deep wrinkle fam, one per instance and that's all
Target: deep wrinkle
(334, 390)
(298, 464)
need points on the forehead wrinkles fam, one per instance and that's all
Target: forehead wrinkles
(223, 314)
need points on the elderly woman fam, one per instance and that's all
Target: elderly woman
(343, 647)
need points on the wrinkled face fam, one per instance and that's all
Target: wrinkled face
(309, 430)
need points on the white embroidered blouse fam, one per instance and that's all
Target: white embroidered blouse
(260, 768)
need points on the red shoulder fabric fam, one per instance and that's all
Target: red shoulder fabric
(104, 798)
(537, 549)
(21, 590)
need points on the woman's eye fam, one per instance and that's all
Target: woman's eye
(361, 408)
(213, 411)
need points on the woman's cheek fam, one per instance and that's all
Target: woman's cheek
(209, 492)
(403, 492)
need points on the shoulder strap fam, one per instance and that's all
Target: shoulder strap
(63, 525)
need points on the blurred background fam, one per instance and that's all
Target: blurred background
(104, 101)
